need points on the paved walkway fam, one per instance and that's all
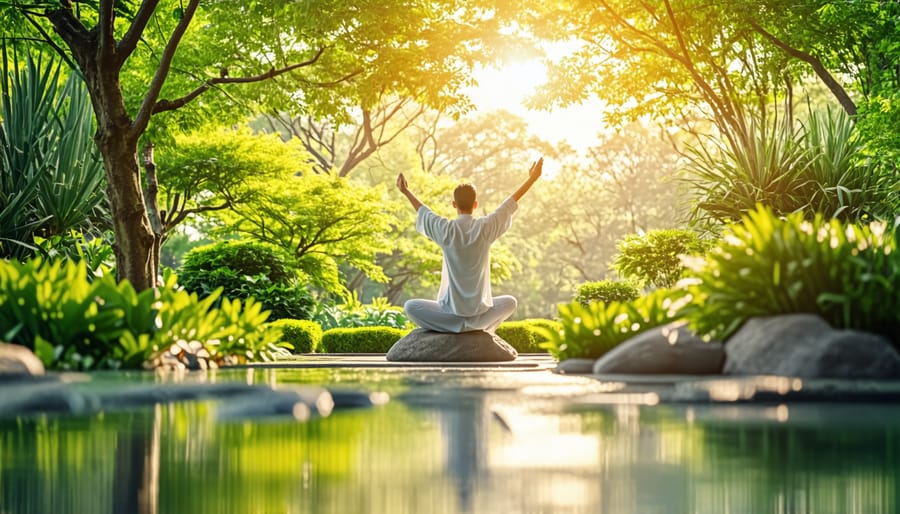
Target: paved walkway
(525, 362)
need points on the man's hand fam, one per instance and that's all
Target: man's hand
(533, 175)
(536, 168)
(404, 188)
(401, 184)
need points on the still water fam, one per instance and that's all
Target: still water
(456, 441)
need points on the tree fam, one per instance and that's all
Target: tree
(324, 55)
(213, 169)
(320, 221)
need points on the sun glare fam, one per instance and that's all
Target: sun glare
(509, 87)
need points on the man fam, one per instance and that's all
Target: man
(464, 300)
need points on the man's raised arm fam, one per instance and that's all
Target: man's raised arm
(533, 174)
(404, 188)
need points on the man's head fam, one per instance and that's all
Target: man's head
(464, 198)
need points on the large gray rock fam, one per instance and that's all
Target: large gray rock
(805, 345)
(18, 362)
(668, 350)
(422, 345)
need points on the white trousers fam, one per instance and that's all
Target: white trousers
(428, 314)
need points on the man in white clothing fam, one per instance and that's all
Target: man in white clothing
(464, 301)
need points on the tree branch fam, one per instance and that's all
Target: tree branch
(129, 42)
(833, 85)
(142, 118)
(171, 105)
(47, 39)
(106, 24)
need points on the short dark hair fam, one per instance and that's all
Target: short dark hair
(464, 196)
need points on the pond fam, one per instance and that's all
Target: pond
(456, 440)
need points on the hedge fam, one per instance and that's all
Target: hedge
(304, 335)
(361, 339)
(524, 335)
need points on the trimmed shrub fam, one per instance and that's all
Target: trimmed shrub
(73, 323)
(247, 270)
(303, 335)
(361, 339)
(606, 291)
(654, 258)
(767, 265)
(589, 331)
(525, 336)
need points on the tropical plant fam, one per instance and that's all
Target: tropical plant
(589, 331)
(379, 313)
(768, 166)
(303, 335)
(767, 265)
(607, 291)
(654, 258)
(51, 176)
(361, 339)
(248, 270)
(95, 252)
(72, 322)
(843, 182)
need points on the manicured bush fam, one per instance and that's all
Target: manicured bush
(361, 339)
(589, 331)
(74, 323)
(767, 265)
(247, 270)
(303, 335)
(525, 336)
(607, 291)
(654, 258)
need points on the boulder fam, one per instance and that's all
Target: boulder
(668, 350)
(805, 345)
(18, 362)
(422, 345)
(575, 366)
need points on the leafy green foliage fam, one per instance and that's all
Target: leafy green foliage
(379, 313)
(51, 176)
(319, 221)
(95, 252)
(767, 265)
(654, 258)
(843, 182)
(247, 270)
(361, 339)
(589, 331)
(74, 323)
(606, 291)
(526, 336)
(768, 166)
(819, 167)
(303, 335)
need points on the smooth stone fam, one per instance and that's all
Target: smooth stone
(18, 362)
(667, 350)
(422, 345)
(805, 345)
(575, 367)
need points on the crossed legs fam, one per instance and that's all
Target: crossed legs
(428, 314)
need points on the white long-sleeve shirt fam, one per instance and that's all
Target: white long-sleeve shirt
(466, 243)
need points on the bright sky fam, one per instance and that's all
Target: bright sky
(508, 87)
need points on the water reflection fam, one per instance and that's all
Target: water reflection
(442, 447)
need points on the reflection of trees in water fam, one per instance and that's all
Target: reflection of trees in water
(108, 464)
(835, 465)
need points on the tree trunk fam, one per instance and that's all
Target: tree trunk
(134, 236)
